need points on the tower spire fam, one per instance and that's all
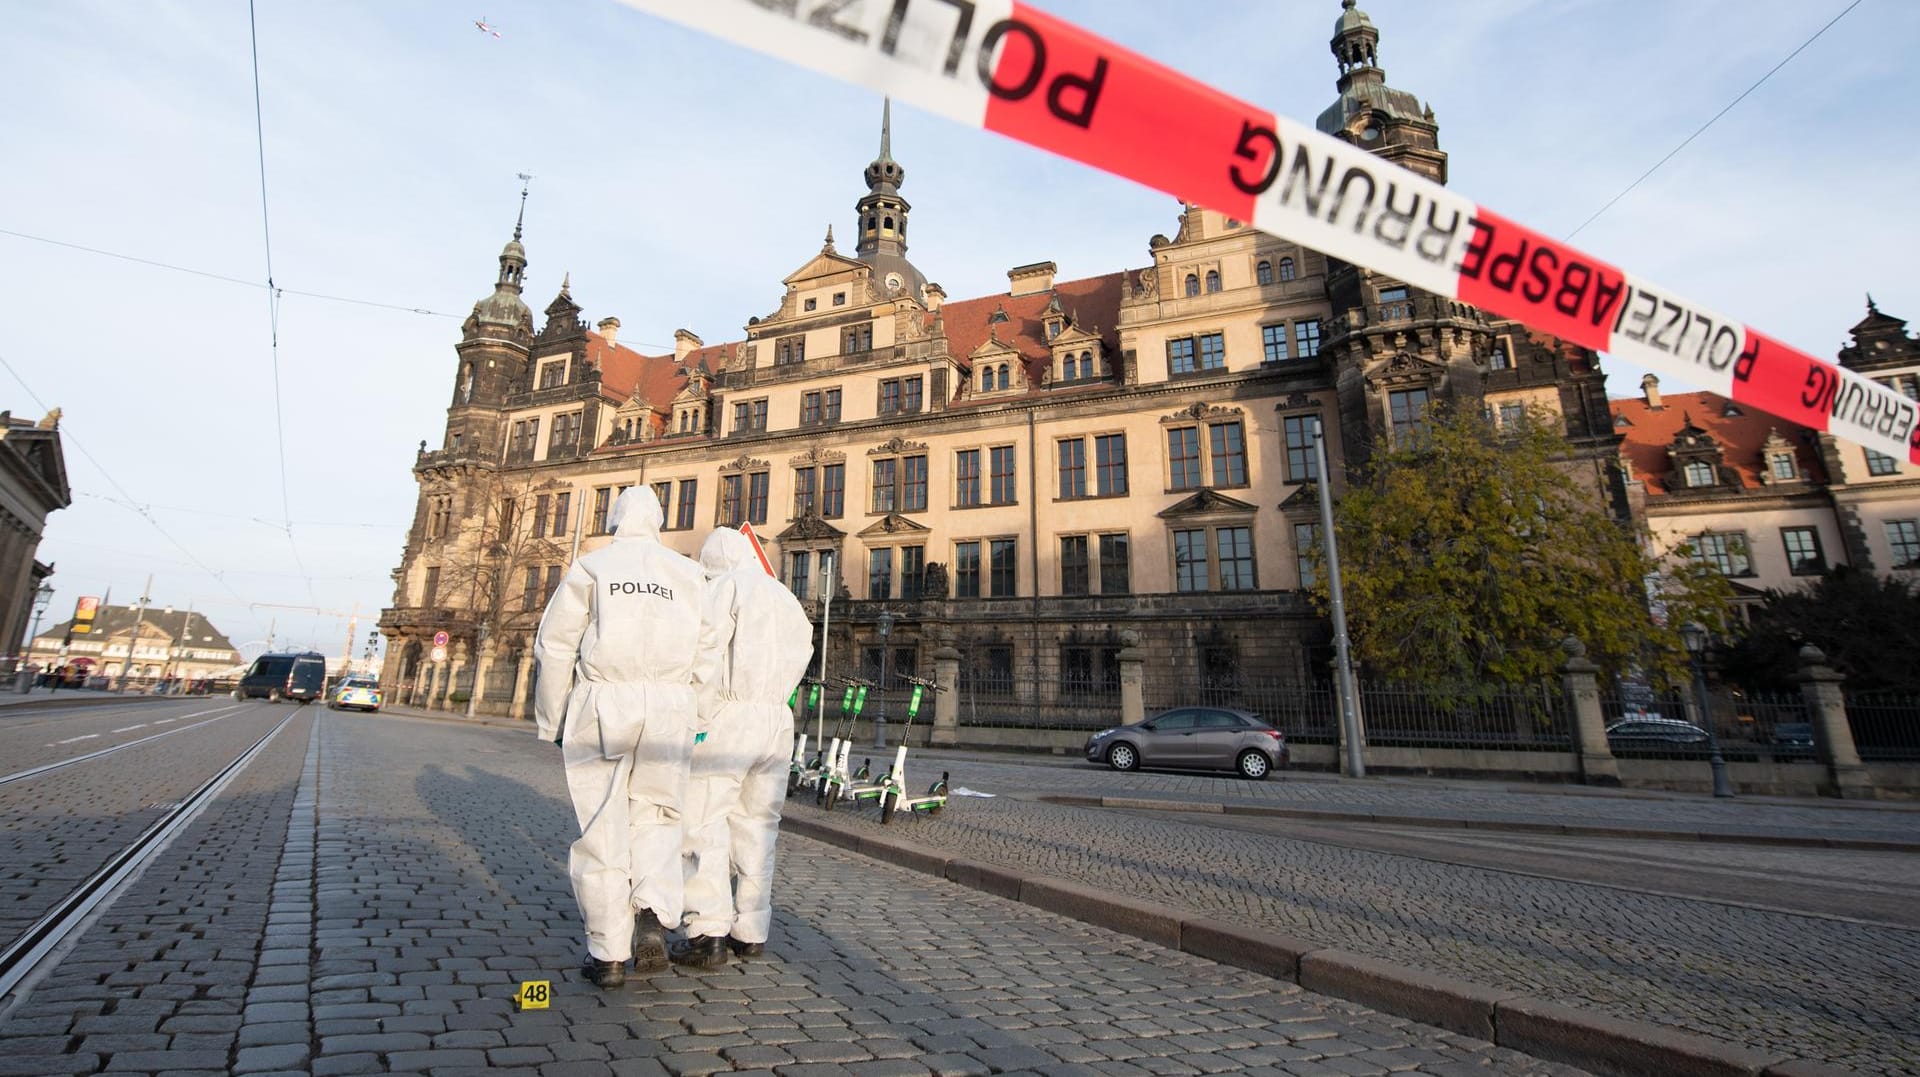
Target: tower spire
(525, 178)
(886, 129)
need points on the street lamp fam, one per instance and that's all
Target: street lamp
(880, 715)
(1694, 634)
(42, 598)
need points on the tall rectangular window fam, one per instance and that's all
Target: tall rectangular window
(541, 506)
(1302, 465)
(1213, 351)
(733, 491)
(901, 396)
(530, 590)
(913, 569)
(1903, 536)
(506, 518)
(1229, 446)
(803, 491)
(430, 591)
(1235, 545)
(1110, 464)
(884, 484)
(689, 495)
(663, 493)
(857, 338)
(966, 570)
(553, 583)
(910, 393)
(1073, 565)
(1001, 552)
(889, 396)
(1306, 539)
(1073, 468)
(1407, 409)
(553, 375)
(757, 497)
(880, 574)
(1803, 550)
(799, 573)
(1004, 491)
(602, 500)
(830, 406)
(1273, 343)
(1180, 355)
(913, 484)
(1190, 560)
(810, 408)
(1306, 338)
(966, 478)
(1726, 552)
(1183, 457)
(562, 502)
(1116, 565)
(565, 435)
(833, 490)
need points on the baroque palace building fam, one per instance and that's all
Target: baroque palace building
(1037, 478)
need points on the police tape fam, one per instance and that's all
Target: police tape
(1011, 69)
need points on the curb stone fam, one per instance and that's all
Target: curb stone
(1547, 1030)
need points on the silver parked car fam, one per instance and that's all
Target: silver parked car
(1211, 738)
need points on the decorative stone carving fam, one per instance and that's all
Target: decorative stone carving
(815, 456)
(743, 462)
(897, 445)
(1200, 411)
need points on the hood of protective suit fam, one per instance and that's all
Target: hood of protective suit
(636, 514)
(726, 550)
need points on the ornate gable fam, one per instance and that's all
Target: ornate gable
(1208, 502)
(809, 528)
(816, 456)
(743, 462)
(1404, 370)
(896, 446)
(1199, 412)
(894, 524)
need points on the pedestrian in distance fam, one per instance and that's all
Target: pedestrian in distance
(616, 648)
(763, 642)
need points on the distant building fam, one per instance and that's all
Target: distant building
(166, 644)
(1770, 503)
(33, 483)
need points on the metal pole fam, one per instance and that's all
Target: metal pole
(880, 718)
(1721, 786)
(1355, 764)
(139, 615)
(826, 622)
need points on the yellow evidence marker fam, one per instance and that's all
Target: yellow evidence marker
(533, 995)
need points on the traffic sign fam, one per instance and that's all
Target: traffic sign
(440, 639)
(439, 654)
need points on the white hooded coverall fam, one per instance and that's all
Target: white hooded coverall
(763, 642)
(616, 649)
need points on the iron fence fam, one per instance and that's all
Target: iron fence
(1886, 725)
(1518, 718)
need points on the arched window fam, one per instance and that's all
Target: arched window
(1213, 280)
(887, 225)
(1193, 284)
(1286, 269)
(872, 223)
(1086, 364)
(1263, 273)
(1004, 383)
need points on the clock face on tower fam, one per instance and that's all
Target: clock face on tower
(1370, 133)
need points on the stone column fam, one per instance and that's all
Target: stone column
(481, 666)
(520, 683)
(437, 675)
(1579, 678)
(454, 669)
(1832, 735)
(1133, 680)
(946, 698)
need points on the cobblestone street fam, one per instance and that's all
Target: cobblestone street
(363, 902)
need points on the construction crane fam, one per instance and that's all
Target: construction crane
(353, 623)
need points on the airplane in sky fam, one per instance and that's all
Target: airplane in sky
(484, 27)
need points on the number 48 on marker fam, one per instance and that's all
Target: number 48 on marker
(534, 995)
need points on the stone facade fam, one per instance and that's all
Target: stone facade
(1034, 477)
(33, 485)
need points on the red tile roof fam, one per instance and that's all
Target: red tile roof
(1651, 431)
(1092, 302)
(623, 370)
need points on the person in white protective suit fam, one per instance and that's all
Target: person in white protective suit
(616, 648)
(738, 783)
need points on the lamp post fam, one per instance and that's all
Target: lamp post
(42, 598)
(880, 715)
(1354, 762)
(1694, 634)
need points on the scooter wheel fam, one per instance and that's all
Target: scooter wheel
(833, 796)
(887, 803)
(793, 783)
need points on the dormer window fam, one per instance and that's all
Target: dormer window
(554, 374)
(810, 304)
(999, 315)
(1053, 328)
(1501, 359)
(1780, 466)
(1698, 473)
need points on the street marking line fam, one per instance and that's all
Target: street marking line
(129, 728)
(75, 740)
(31, 772)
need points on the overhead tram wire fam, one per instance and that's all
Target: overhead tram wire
(273, 300)
(1716, 117)
(67, 437)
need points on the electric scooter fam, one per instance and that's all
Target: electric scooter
(797, 770)
(893, 795)
(834, 777)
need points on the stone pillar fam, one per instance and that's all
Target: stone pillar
(1832, 735)
(1579, 678)
(1133, 681)
(946, 697)
(436, 677)
(520, 683)
(454, 669)
(481, 665)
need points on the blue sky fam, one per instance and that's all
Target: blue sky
(679, 179)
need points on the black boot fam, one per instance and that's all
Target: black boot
(746, 949)
(649, 943)
(703, 952)
(605, 975)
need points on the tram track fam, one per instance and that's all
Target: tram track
(36, 771)
(27, 952)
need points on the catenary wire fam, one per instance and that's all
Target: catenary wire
(1716, 117)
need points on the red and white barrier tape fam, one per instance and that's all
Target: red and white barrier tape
(1009, 68)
